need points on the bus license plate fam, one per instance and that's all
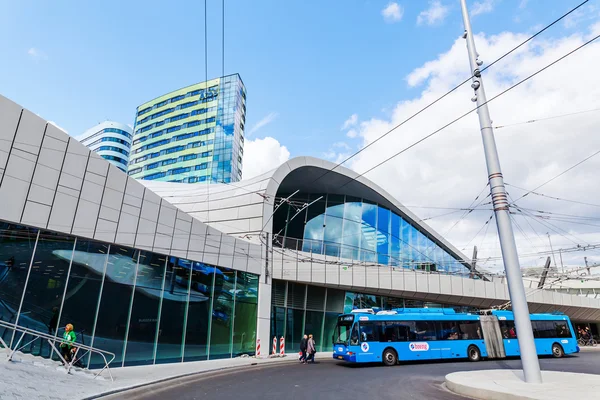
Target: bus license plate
(340, 357)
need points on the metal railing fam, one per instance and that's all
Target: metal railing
(51, 339)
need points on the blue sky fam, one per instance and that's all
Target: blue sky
(307, 65)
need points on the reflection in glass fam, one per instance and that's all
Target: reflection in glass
(246, 308)
(44, 290)
(352, 228)
(173, 313)
(313, 231)
(328, 329)
(222, 315)
(16, 249)
(395, 240)
(370, 234)
(116, 297)
(83, 289)
(145, 310)
(198, 315)
(314, 325)
(293, 332)
(334, 221)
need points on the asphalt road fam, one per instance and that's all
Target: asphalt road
(330, 379)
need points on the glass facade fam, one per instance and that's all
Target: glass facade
(194, 134)
(298, 309)
(359, 230)
(144, 307)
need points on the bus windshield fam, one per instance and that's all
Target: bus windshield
(343, 329)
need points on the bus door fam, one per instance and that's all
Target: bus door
(370, 348)
(509, 337)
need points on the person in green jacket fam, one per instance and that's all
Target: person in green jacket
(69, 338)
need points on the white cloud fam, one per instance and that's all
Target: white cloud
(351, 121)
(392, 12)
(37, 54)
(352, 133)
(436, 13)
(482, 7)
(265, 121)
(449, 169)
(262, 155)
(523, 3)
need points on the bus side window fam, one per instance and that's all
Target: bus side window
(369, 332)
(562, 329)
(508, 329)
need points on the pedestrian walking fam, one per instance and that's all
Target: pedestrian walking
(66, 346)
(303, 345)
(310, 349)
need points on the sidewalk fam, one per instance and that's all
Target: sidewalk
(509, 384)
(37, 380)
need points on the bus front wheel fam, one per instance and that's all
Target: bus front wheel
(473, 353)
(557, 350)
(390, 357)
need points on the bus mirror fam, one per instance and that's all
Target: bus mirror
(332, 339)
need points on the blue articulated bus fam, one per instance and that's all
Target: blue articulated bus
(366, 336)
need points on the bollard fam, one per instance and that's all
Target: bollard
(282, 347)
(257, 348)
(274, 345)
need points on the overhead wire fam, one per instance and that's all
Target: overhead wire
(452, 90)
(561, 174)
(474, 109)
(531, 121)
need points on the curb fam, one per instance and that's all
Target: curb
(184, 375)
(483, 394)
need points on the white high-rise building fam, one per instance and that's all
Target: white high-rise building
(111, 140)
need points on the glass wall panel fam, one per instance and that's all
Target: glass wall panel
(83, 290)
(334, 221)
(204, 277)
(143, 323)
(406, 248)
(173, 312)
(352, 228)
(328, 329)
(395, 240)
(314, 326)
(294, 331)
(222, 314)
(383, 235)
(45, 288)
(246, 308)
(295, 227)
(113, 314)
(313, 231)
(369, 228)
(277, 323)
(16, 249)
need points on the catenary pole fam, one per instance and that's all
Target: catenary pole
(529, 359)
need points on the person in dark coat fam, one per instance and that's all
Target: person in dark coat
(303, 346)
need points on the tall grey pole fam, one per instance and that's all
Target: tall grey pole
(529, 359)
(552, 251)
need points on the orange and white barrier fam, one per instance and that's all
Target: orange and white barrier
(282, 347)
(257, 348)
(274, 345)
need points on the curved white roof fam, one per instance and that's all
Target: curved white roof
(244, 208)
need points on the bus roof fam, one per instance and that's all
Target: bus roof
(440, 313)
